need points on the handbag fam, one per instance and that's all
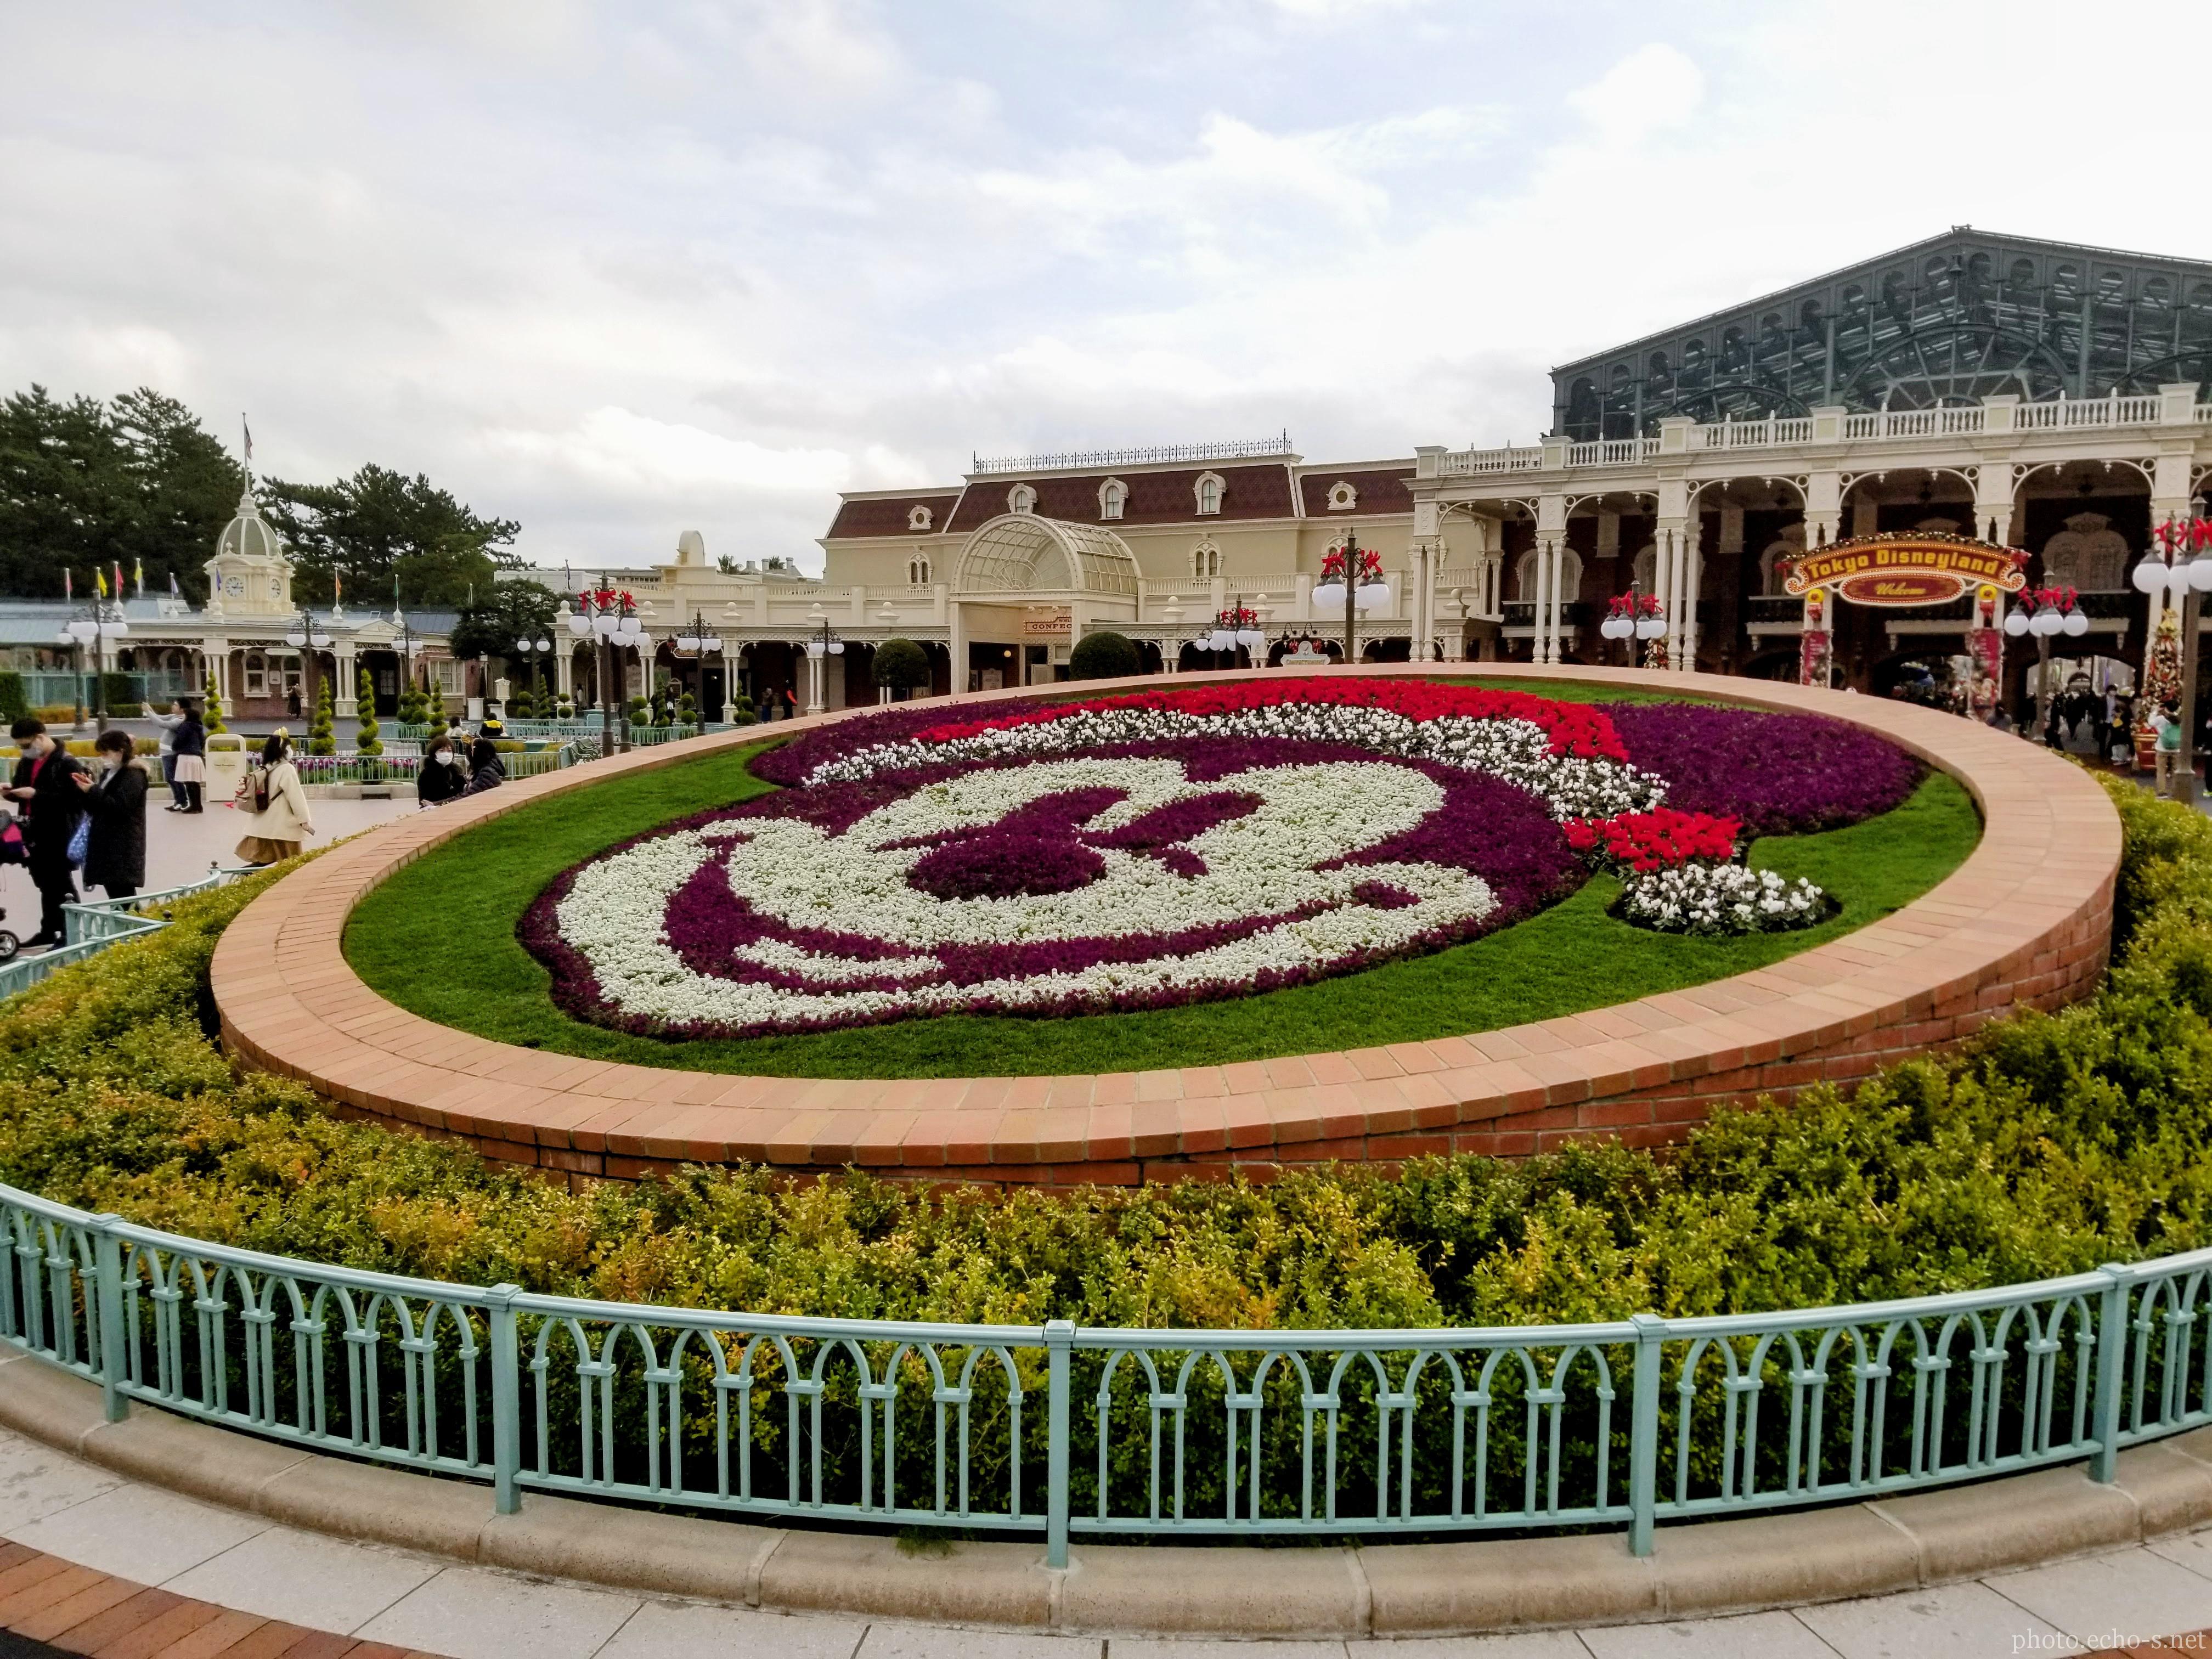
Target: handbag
(80, 841)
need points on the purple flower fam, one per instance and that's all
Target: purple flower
(1779, 774)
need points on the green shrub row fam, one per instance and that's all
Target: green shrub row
(2054, 1144)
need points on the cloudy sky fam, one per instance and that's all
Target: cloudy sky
(621, 271)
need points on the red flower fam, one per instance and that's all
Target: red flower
(1660, 839)
(1575, 728)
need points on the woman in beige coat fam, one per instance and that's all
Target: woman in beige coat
(281, 820)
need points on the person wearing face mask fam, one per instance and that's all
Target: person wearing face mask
(115, 853)
(281, 822)
(440, 779)
(51, 809)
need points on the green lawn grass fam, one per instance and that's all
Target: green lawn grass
(439, 938)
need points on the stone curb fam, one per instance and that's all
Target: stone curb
(1463, 1586)
(2025, 920)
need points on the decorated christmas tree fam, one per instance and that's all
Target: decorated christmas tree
(322, 730)
(2161, 680)
(215, 709)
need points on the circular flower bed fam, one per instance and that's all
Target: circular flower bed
(1138, 851)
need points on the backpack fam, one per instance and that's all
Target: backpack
(256, 787)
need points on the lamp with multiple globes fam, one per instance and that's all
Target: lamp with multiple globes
(2045, 613)
(1235, 628)
(609, 615)
(1352, 576)
(1634, 615)
(307, 636)
(2177, 570)
(93, 626)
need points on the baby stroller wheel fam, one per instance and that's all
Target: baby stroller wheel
(9, 944)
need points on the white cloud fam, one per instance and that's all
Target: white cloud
(1652, 89)
(702, 263)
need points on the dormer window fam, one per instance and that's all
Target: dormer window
(1113, 495)
(918, 517)
(1210, 488)
(1205, 561)
(917, 572)
(1021, 499)
(1342, 497)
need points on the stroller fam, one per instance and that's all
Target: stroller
(12, 851)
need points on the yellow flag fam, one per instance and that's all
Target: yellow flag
(100, 581)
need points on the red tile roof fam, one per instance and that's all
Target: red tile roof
(1378, 492)
(887, 515)
(1250, 492)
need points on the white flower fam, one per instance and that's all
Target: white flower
(1260, 881)
(1516, 751)
(1720, 898)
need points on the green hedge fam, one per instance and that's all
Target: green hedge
(13, 707)
(2055, 1143)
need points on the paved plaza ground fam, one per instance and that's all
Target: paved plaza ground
(86, 1546)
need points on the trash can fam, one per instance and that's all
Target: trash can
(226, 765)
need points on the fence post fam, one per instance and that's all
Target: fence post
(1643, 1432)
(1059, 1342)
(506, 1398)
(107, 1314)
(2111, 1353)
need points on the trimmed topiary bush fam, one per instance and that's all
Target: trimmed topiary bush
(322, 728)
(12, 705)
(901, 665)
(1105, 656)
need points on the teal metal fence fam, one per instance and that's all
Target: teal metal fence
(91, 927)
(1062, 1431)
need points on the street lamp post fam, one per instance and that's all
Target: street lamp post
(1636, 615)
(1237, 626)
(2165, 570)
(2046, 613)
(611, 616)
(533, 654)
(93, 627)
(698, 643)
(304, 636)
(1352, 577)
(823, 645)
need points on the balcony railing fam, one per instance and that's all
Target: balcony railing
(1785, 431)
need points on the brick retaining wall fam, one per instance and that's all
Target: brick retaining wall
(2025, 922)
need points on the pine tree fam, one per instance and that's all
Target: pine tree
(369, 742)
(214, 721)
(322, 731)
(414, 708)
(433, 715)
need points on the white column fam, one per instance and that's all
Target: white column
(564, 672)
(1539, 650)
(814, 681)
(346, 699)
(1665, 538)
(957, 643)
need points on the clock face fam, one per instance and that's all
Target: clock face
(235, 585)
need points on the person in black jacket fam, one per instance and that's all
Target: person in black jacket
(50, 808)
(191, 756)
(486, 770)
(115, 855)
(441, 778)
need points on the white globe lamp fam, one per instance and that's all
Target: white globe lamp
(2015, 624)
(2076, 624)
(2150, 574)
(1329, 595)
